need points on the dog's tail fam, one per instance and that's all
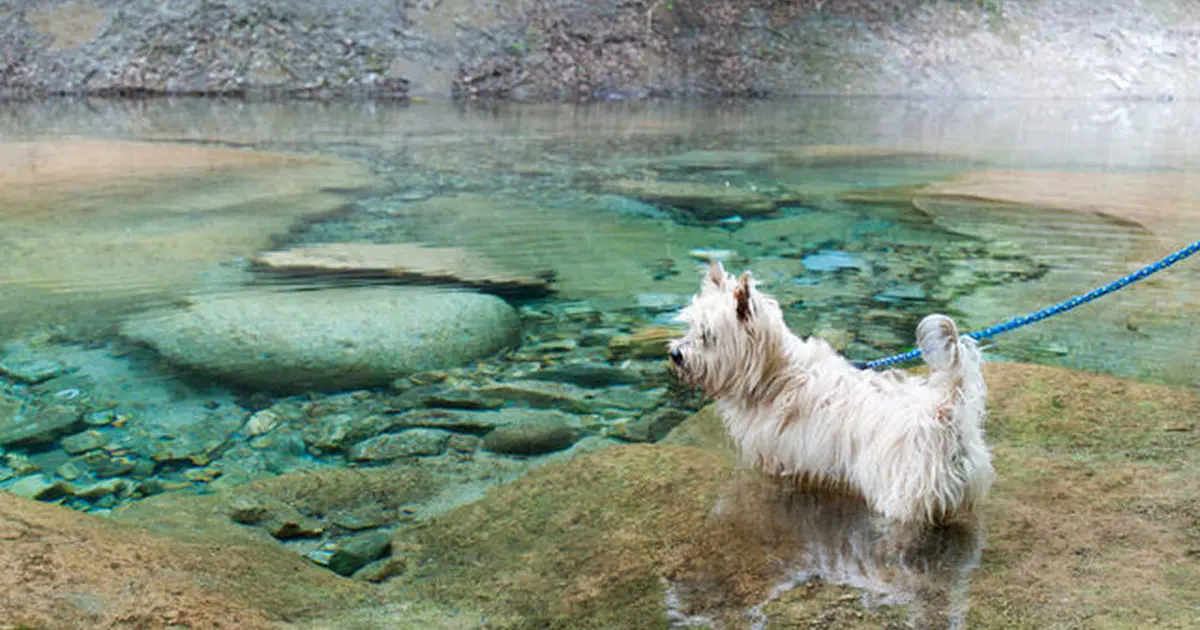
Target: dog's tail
(956, 370)
(953, 358)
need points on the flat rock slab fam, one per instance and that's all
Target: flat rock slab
(330, 339)
(22, 423)
(403, 263)
(92, 229)
(1165, 204)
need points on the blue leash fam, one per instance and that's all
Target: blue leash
(1061, 307)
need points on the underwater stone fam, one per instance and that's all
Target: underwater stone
(24, 426)
(101, 489)
(648, 343)
(402, 263)
(83, 442)
(475, 422)
(625, 206)
(68, 471)
(903, 292)
(341, 430)
(534, 432)
(332, 339)
(40, 487)
(32, 371)
(105, 465)
(832, 260)
(589, 375)
(410, 443)
(566, 397)
(100, 418)
(650, 427)
(704, 201)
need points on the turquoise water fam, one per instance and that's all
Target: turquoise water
(522, 260)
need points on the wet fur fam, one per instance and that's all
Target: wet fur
(912, 446)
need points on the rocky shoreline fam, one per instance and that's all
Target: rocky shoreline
(579, 50)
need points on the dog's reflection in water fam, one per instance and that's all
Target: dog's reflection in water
(766, 537)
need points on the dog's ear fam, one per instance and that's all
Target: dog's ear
(741, 294)
(716, 274)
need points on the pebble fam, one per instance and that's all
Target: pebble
(261, 422)
(100, 418)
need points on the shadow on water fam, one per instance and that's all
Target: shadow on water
(796, 539)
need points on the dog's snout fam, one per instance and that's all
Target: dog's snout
(676, 356)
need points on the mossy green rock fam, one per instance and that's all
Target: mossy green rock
(329, 339)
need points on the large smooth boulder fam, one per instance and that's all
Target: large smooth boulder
(330, 339)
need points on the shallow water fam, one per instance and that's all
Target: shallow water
(149, 352)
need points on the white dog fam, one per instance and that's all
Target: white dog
(913, 447)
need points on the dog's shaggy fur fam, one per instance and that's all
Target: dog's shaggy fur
(913, 447)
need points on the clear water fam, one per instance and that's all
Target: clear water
(94, 251)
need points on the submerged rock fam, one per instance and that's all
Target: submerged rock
(589, 375)
(410, 443)
(402, 263)
(647, 343)
(1164, 203)
(534, 432)
(22, 423)
(330, 339)
(708, 202)
(40, 487)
